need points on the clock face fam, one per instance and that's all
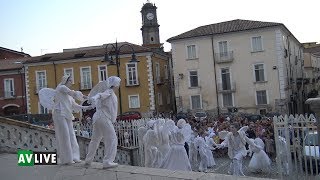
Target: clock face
(150, 16)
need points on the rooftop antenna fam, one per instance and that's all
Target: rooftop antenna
(21, 49)
(42, 51)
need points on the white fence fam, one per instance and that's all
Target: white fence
(127, 131)
(297, 148)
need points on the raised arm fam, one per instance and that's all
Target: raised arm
(75, 94)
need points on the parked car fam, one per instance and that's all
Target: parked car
(181, 115)
(311, 152)
(254, 117)
(130, 115)
(200, 115)
(272, 114)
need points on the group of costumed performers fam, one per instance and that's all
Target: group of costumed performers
(166, 145)
(62, 102)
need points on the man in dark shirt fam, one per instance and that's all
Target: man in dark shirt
(250, 132)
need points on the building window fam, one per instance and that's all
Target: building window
(102, 69)
(262, 97)
(132, 74)
(134, 101)
(259, 72)
(191, 52)
(42, 110)
(41, 80)
(256, 44)
(86, 78)
(193, 76)
(223, 48)
(158, 73)
(196, 102)
(160, 102)
(69, 72)
(166, 72)
(227, 100)
(225, 78)
(263, 111)
(8, 88)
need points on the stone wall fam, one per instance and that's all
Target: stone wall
(16, 135)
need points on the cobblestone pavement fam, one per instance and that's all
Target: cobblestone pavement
(222, 167)
(223, 163)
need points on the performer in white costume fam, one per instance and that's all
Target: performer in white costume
(64, 105)
(202, 148)
(176, 158)
(260, 161)
(236, 141)
(106, 104)
(210, 143)
(150, 142)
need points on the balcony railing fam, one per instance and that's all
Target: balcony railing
(224, 57)
(85, 85)
(38, 88)
(132, 82)
(227, 88)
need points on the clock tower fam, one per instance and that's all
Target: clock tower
(150, 26)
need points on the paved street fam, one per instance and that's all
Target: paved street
(222, 167)
(10, 170)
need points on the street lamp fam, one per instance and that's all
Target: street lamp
(108, 57)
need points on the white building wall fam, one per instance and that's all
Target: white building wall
(241, 68)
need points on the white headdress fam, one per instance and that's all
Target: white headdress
(64, 79)
(181, 123)
(114, 81)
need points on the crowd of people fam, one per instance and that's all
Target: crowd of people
(199, 142)
(262, 129)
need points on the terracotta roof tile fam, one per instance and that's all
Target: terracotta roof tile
(87, 52)
(224, 27)
(11, 64)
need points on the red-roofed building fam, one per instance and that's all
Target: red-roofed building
(11, 54)
(12, 87)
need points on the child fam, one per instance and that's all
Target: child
(269, 146)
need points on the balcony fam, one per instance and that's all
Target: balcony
(39, 87)
(130, 83)
(85, 85)
(227, 88)
(224, 57)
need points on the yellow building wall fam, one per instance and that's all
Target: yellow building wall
(163, 88)
(54, 76)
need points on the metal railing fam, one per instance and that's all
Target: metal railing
(226, 88)
(224, 57)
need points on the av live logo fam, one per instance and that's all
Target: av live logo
(30, 158)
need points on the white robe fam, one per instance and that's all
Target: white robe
(260, 160)
(106, 112)
(176, 158)
(209, 141)
(68, 148)
(237, 150)
(202, 148)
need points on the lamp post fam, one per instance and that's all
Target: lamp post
(108, 57)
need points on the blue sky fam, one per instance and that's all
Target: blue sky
(47, 26)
